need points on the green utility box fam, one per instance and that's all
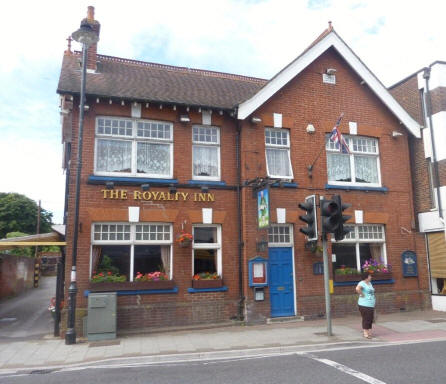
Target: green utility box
(101, 321)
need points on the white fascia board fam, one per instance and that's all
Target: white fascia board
(298, 65)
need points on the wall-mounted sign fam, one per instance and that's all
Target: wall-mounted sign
(263, 208)
(409, 263)
(123, 194)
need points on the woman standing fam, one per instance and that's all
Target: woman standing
(366, 302)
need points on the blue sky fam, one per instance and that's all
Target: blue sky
(255, 38)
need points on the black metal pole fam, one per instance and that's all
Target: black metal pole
(70, 335)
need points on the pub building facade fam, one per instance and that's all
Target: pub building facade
(171, 153)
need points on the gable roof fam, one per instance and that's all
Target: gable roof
(329, 38)
(149, 82)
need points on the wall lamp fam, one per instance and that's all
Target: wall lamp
(172, 189)
(204, 189)
(395, 134)
(185, 118)
(310, 128)
(145, 187)
(330, 71)
(110, 185)
(256, 120)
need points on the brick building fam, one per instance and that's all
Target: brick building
(423, 95)
(169, 150)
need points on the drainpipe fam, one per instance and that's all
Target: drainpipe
(239, 206)
(426, 75)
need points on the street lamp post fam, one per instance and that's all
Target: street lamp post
(86, 36)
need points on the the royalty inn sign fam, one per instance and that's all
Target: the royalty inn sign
(123, 194)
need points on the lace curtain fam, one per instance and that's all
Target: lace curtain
(366, 170)
(165, 258)
(114, 156)
(95, 257)
(153, 158)
(338, 167)
(205, 161)
(278, 162)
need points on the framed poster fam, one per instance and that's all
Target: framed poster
(263, 208)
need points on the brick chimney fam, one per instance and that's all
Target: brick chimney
(93, 49)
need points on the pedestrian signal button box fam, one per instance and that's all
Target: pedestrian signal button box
(101, 321)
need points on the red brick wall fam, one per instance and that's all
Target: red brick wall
(16, 275)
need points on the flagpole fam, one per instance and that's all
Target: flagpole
(310, 167)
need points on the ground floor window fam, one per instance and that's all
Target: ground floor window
(131, 249)
(206, 250)
(364, 242)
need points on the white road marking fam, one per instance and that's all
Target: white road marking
(347, 370)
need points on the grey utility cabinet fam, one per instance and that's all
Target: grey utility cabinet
(101, 320)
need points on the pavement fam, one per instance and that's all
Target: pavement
(220, 341)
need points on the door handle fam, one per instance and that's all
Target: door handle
(280, 288)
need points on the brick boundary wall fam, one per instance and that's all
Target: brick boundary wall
(16, 275)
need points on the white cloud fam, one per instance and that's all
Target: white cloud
(256, 38)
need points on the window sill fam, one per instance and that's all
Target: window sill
(356, 188)
(279, 184)
(374, 282)
(136, 292)
(162, 285)
(207, 182)
(127, 180)
(199, 290)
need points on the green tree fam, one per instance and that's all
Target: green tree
(22, 251)
(18, 213)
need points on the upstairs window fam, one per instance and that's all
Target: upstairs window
(205, 153)
(133, 147)
(277, 144)
(360, 166)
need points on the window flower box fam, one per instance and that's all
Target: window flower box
(207, 280)
(131, 286)
(203, 284)
(341, 278)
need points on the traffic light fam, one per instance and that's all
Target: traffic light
(332, 218)
(341, 231)
(310, 217)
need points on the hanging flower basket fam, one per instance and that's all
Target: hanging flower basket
(184, 239)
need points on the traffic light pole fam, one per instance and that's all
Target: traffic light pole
(326, 284)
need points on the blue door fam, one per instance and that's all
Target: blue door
(281, 281)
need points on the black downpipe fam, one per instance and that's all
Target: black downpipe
(428, 102)
(240, 236)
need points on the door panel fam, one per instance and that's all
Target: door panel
(281, 281)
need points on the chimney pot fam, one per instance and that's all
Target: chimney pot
(90, 13)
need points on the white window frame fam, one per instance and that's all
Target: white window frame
(353, 238)
(132, 242)
(280, 147)
(329, 147)
(273, 227)
(134, 139)
(207, 144)
(217, 246)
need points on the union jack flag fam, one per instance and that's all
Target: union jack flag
(337, 138)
